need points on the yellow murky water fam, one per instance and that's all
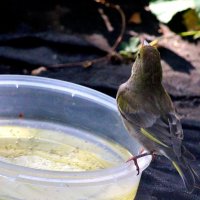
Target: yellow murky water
(51, 150)
(61, 149)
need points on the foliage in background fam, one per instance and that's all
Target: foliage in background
(192, 23)
(128, 49)
(166, 9)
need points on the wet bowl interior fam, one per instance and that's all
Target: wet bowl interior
(51, 101)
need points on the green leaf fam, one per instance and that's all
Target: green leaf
(195, 34)
(131, 46)
(166, 9)
(127, 49)
(197, 7)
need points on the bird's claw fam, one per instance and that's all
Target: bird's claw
(134, 159)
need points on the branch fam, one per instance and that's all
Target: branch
(113, 53)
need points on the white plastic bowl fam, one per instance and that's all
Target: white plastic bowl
(60, 102)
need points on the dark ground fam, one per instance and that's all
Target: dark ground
(44, 33)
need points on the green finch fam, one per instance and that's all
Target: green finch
(149, 115)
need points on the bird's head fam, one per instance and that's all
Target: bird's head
(147, 66)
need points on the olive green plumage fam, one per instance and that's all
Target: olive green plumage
(149, 115)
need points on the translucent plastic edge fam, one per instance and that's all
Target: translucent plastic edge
(70, 178)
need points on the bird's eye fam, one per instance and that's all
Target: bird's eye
(138, 55)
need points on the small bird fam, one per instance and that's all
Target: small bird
(149, 114)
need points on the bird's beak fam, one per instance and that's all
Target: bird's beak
(145, 43)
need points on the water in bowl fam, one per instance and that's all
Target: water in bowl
(45, 146)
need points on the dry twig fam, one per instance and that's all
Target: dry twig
(106, 20)
(113, 53)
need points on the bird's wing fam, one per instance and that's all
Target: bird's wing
(167, 130)
(164, 130)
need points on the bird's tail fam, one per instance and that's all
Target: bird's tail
(190, 177)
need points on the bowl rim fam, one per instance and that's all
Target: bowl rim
(59, 178)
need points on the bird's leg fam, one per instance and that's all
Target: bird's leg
(142, 150)
(134, 159)
(153, 154)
